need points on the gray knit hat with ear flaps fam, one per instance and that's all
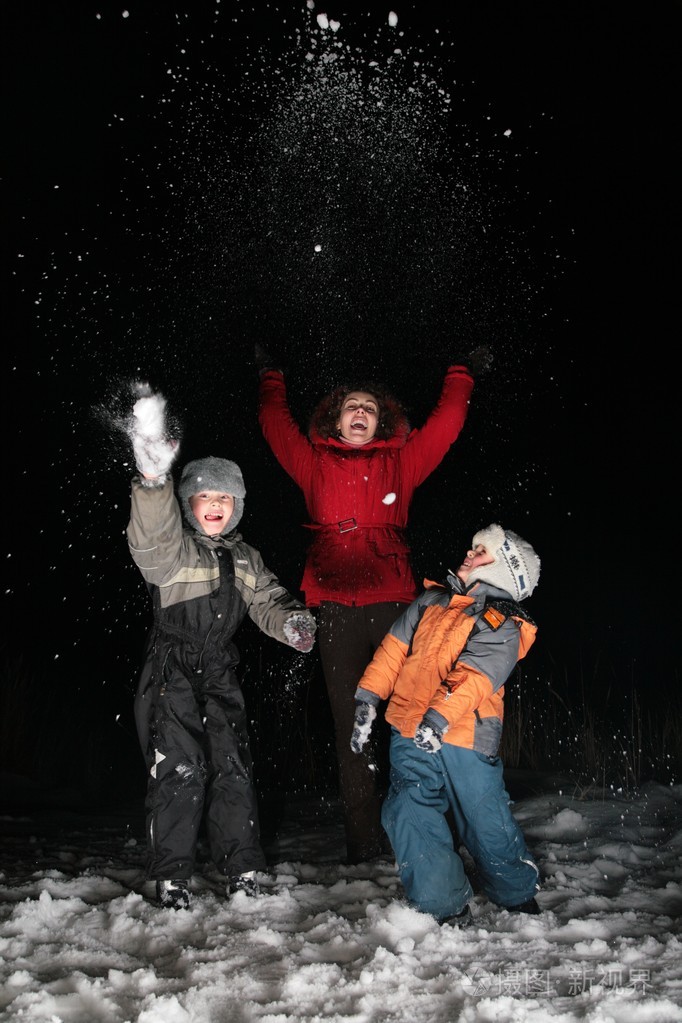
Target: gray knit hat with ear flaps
(212, 474)
(516, 568)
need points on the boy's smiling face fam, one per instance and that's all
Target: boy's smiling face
(212, 509)
(476, 556)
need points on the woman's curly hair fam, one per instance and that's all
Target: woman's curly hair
(392, 416)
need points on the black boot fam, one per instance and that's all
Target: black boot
(531, 908)
(174, 894)
(246, 882)
(462, 919)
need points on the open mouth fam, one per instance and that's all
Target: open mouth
(213, 517)
(358, 424)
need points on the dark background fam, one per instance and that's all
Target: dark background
(166, 177)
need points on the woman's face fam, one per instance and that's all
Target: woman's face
(358, 419)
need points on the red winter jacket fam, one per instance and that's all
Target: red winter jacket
(358, 498)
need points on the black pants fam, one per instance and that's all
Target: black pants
(199, 766)
(347, 639)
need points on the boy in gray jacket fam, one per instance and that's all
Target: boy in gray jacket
(203, 580)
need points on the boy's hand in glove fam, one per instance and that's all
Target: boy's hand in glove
(479, 361)
(154, 452)
(300, 632)
(365, 713)
(430, 732)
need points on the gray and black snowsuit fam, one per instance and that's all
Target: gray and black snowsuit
(189, 707)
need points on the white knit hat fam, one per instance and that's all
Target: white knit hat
(516, 568)
(212, 474)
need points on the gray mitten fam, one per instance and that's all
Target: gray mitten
(427, 738)
(430, 732)
(154, 452)
(300, 631)
(365, 713)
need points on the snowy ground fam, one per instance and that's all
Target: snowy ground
(82, 941)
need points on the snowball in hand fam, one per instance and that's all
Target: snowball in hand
(154, 453)
(149, 419)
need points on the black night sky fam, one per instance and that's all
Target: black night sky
(509, 176)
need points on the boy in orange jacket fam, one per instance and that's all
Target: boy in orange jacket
(442, 668)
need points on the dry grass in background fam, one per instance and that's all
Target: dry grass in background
(607, 735)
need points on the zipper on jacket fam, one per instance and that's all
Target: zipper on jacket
(162, 684)
(450, 686)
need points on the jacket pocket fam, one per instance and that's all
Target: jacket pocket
(487, 735)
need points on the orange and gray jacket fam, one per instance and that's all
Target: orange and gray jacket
(448, 656)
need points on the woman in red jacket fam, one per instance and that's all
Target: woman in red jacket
(358, 469)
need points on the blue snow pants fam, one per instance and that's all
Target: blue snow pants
(423, 786)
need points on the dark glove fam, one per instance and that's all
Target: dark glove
(365, 714)
(428, 736)
(479, 361)
(264, 360)
(300, 632)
